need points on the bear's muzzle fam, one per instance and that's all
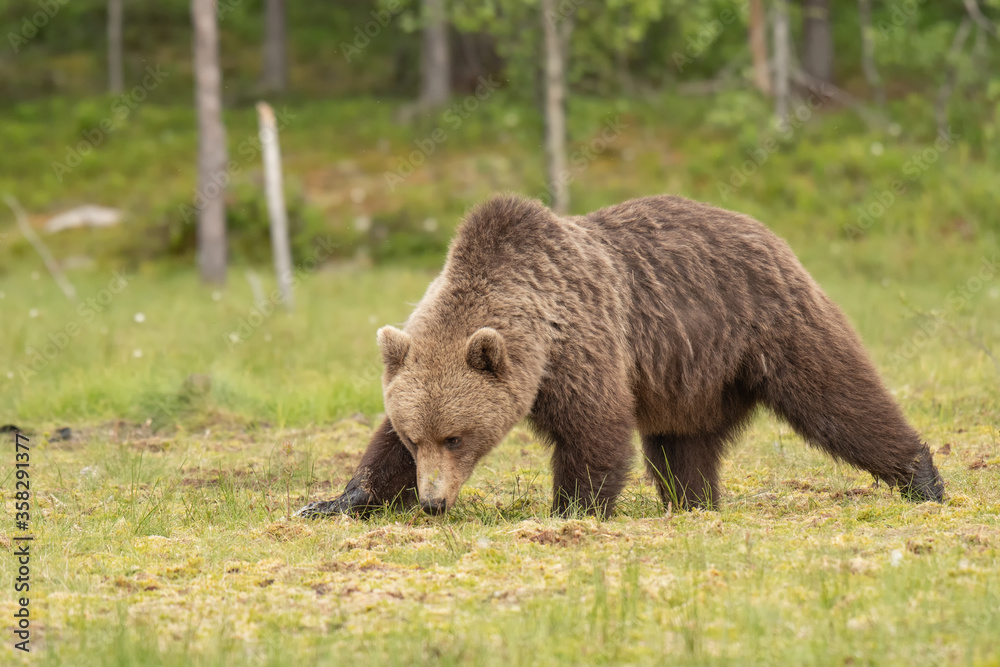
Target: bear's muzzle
(434, 507)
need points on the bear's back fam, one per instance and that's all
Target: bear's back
(707, 288)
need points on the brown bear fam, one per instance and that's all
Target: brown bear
(661, 315)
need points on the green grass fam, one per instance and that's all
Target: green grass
(161, 529)
(320, 363)
(175, 550)
(163, 538)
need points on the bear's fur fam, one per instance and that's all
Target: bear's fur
(661, 315)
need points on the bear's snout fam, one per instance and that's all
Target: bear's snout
(434, 507)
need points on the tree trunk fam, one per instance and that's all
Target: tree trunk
(758, 46)
(436, 62)
(212, 176)
(116, 77)
(817, 40)
(782, 56)
(868, 51)
(555, 109)
(275, 77)
(275, 190)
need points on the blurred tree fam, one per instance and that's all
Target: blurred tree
(758, 46)
(275, 68)
(817, 40)
(868, 51)
(782, 58)
(557, 29)
(116, 77)
(602, 48)
(212, 175)
(435, 63)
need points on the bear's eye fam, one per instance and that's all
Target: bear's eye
(452, 443)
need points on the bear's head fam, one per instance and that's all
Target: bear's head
(451, 399)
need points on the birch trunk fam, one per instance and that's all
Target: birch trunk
(212, 175)
(781, 59)
(555, 109)
(435, 63)
(758, 46)
(116, 77)
(275, 77)
(275, 190)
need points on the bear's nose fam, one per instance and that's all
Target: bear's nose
(434, 506)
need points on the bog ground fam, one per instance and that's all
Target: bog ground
(199, 418)
(175, 426)
(162, 534)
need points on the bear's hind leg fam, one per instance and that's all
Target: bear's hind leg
(829, 392)
(386, 475)
(685, 468)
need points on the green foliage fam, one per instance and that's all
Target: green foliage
(173, 231)
(373, 47)
(816, 173)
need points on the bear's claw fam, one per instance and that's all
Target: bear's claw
(354, 502)
(925, 483)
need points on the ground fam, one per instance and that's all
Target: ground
(198, 420)
(167, 540)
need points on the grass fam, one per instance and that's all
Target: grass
(198, 422)
(162, 534)
(177, 550)
(60, 363)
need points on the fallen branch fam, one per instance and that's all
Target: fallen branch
(709, 86)
(725, 79)
(50, 262)
(976, 14)
(827, 89)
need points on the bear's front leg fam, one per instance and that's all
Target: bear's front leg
(590, 468)
(387, 475)
(586, 410)
(592, 454)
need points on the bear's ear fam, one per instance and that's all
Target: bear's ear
(486, 351)
(395, 345)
